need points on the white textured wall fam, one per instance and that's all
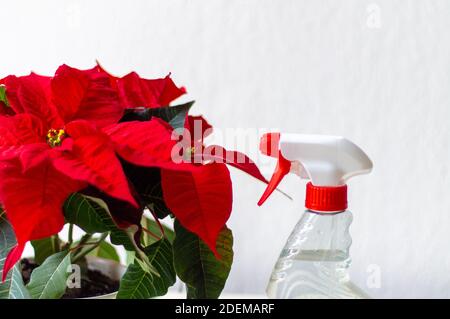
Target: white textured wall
(377, 72)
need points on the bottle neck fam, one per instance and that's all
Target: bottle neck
(327, 233)
(324, 212)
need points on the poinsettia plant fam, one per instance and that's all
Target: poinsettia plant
(111, 156)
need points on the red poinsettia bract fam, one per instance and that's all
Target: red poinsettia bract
(134, 91)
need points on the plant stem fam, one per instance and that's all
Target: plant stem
(81, 243)
(151, 233)
(56, 243)
(70, 239)
(157, 221)
(84, 239)
(87, 251)
(142, 256)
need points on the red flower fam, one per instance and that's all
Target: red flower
(62, 139)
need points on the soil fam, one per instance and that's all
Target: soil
(93, 283)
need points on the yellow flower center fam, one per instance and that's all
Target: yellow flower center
(55, 137)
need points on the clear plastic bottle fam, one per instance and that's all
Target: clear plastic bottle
(315, 260)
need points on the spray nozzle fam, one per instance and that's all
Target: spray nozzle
(328, 161)
(269, 145)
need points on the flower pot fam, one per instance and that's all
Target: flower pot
(109, 268)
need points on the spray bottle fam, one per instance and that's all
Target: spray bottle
(315, 260)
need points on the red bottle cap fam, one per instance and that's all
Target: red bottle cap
(326, 198)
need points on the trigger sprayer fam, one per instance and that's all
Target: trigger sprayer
(315, 259)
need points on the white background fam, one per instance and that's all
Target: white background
(377, 72)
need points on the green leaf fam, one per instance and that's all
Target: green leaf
(45, 247)
(87, 213)
(3, 95)
(17, 289)
(139, 284)
(13, 286)
(147, 183)
(92, 215)
(174, 115)
(153, 196)
(120, 237)
(129, 257)
(105, 250)
(82, 210)
(152, 226)
(196, 265)
(49, 280)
